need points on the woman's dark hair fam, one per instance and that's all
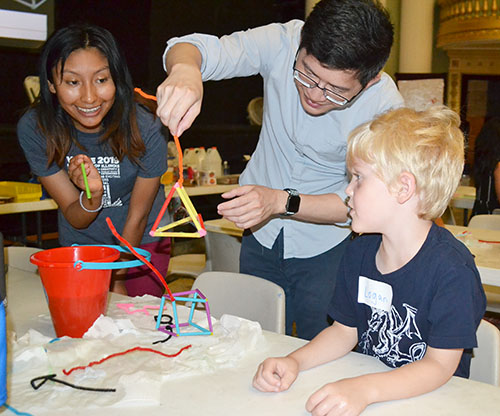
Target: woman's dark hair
(352, 35)
(120, 123)
(487, 149)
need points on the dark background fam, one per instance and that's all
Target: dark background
(142, 27)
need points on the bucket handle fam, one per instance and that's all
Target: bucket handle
(81, 265)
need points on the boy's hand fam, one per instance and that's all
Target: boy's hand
(276, 374)
(343, 397)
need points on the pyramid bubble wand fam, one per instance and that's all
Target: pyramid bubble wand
(193, 217)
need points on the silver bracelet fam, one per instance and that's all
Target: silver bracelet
(90, 210)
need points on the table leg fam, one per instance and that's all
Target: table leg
(23, 228)
(39, 228)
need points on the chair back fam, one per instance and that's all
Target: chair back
(246, 296)
(32, 87)
(223, 252)
(486, 221)
(19, 257)
(485, 365)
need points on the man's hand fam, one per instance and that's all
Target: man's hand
(252, 204)
(180, 95)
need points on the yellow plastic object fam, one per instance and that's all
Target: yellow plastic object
(167, 178)
(21, 191)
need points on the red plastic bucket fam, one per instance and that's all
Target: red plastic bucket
(76, 298)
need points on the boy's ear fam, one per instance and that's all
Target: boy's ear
(406, 187)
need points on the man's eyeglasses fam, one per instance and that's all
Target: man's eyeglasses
(308, 82)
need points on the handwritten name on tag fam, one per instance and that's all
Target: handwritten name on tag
(375, 294)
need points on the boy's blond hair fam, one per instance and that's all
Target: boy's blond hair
(428, 144)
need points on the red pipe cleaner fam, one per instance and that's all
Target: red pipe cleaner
(143, 259)
(163, 209)
(68, 372)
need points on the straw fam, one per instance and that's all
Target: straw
(87, 189)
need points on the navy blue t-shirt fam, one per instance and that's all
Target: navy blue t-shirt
(436, 299)
(118, 177)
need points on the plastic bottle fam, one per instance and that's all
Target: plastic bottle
(211, 167)
(214, 161)
(189, 156)
(199, 157)
(225, 168)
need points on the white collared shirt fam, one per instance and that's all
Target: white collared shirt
(295, 150)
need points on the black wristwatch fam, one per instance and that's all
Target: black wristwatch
(292, 203)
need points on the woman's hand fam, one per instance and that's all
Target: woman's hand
(76, 175)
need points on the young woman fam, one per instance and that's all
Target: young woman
(86, 114)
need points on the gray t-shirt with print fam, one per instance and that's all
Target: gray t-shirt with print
(118, 177)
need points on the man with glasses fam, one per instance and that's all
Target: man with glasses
(322, 78)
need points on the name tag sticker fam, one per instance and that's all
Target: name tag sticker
(375, 294)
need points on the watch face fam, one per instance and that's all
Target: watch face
(293, 203)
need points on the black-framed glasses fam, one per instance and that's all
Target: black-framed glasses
(330, 95)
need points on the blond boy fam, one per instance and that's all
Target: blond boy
(408, 292)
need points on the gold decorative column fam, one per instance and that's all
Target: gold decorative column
(469, 31)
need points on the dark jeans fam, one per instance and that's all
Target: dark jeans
(308, 283)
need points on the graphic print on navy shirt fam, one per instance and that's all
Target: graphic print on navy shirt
(389, 335)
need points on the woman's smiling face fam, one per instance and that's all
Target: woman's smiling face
(85, 89)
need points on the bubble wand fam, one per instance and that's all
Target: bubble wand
(194, 216)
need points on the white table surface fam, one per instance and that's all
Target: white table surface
(485, 245)
(229, 391)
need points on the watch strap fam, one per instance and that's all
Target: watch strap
(292, 203)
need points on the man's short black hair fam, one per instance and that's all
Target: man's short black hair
(349, 35)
